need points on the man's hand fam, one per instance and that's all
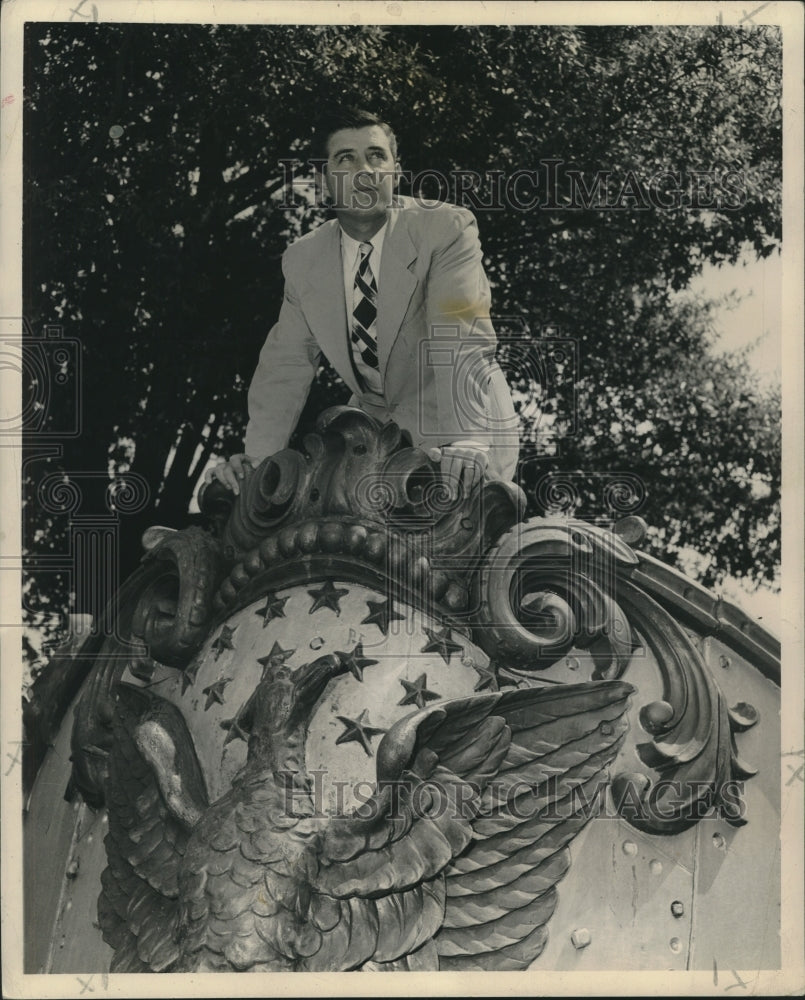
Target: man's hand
(232, 473)
(462, 464)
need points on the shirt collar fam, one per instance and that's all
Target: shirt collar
(351, 247)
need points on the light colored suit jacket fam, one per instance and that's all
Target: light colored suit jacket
(436, 343)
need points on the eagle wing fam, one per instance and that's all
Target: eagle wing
(155, 793)
(467, 836)
(501, 891)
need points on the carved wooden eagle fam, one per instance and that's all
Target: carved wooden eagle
(453, 863)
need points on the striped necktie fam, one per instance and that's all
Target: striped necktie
(364, 310)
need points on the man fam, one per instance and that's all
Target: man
(394, 293)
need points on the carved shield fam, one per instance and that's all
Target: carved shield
(337, 732)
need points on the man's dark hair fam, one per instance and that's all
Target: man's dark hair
(333, 119)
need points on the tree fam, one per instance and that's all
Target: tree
(158, 203)
(698, 440)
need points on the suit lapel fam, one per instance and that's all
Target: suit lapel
(323, 301)
(396, 284)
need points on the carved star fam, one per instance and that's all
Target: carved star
(235, 730)
(224, 641)
(416, 692)
(327, 596)
(275, 607)
(381, 613)
(355, 661)
(189, 676)
(441, 643)
(275, 658)
(487, 676)
(358, 731)
(215, 692)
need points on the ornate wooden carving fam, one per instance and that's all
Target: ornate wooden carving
(204, 722)
(692, 731)
(692, 744)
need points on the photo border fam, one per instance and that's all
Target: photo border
(791, 978)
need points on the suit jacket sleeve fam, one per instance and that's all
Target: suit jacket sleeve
(458, 306)
(281, 382)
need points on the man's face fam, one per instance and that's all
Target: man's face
(361, 173)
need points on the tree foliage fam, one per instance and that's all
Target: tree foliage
(157, 207)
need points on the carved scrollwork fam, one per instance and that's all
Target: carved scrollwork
(173, 611)
(355, 467)
(163, 612)
(361, 496)
(267, 499)
(542, 592)
(552, 584)
(342, 458)
(692, 729)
